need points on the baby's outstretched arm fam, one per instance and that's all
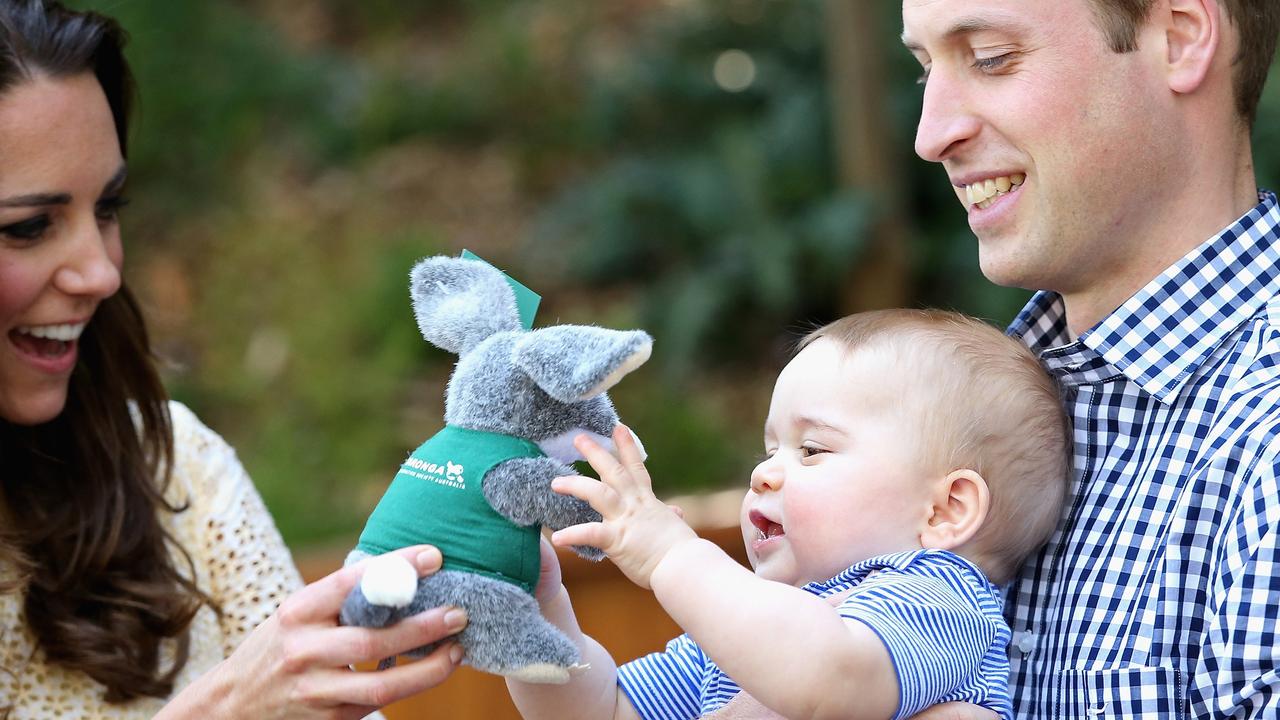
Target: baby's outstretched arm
(592, 694)
(788, 648)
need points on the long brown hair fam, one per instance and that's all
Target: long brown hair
(81, 495)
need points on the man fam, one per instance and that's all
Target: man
(1101, 149)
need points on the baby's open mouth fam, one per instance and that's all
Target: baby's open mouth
(765, 528)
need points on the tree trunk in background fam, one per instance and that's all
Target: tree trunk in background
(865, 151)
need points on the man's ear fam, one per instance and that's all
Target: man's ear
(1193, 31)
(960, 504)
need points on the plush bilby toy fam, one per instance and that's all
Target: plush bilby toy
(480, 488)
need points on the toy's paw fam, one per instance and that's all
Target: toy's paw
(543, 673)
(389, 581)
(589, 552)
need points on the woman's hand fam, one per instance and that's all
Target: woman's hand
(297, 663)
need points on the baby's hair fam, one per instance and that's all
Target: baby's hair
(981, 401)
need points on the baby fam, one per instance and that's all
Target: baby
(913, 459)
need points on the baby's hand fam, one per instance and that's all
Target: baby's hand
(637, 529)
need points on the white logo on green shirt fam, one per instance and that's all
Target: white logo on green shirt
(449, 474)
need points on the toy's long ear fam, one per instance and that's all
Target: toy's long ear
(575, 362)
(459, 303)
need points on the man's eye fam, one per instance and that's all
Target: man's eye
(988, 64)
(30, 229)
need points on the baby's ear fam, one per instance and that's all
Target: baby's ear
(960, 504)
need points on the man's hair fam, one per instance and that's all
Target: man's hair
(1257, 24)
(980, 401)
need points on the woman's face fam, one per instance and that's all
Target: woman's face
(61, 175)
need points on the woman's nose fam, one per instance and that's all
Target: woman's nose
(92, 266)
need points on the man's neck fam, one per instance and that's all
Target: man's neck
(1189, 217)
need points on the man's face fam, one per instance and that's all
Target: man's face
(1025, 99)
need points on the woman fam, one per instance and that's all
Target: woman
(139, 570)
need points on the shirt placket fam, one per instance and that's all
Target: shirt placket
(1079, 371)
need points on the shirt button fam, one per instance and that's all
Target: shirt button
(1024, 641)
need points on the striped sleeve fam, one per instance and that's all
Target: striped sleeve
(666, 685)
(935, 640)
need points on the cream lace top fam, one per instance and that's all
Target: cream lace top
(240, 561)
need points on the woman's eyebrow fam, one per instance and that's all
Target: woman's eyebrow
(46, 199)
(36, 200)
(117, 180)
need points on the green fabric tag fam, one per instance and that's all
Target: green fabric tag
(526, 300)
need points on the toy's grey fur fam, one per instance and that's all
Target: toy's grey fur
(544, 385)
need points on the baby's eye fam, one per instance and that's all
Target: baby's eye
(809, 451)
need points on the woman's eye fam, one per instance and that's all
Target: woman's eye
(109, 208)
(30, 229)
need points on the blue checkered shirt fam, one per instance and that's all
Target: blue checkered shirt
(1157, 596)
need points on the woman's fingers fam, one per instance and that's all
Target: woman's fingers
(352, 645)
(368, 690)
(321, 600)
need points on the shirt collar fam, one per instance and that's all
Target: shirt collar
(1162, 334)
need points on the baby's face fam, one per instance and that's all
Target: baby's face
(839, 483)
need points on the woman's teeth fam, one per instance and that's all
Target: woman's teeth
(65, 333)
(982, 194)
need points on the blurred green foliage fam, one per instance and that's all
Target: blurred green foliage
(291, 160)
(720, 209)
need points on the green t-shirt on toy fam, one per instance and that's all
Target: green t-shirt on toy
(437, 498)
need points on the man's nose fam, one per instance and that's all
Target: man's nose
(946, 119)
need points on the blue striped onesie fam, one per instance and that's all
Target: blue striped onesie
(937, 614)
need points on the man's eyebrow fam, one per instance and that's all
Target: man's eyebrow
(46, 199)
(962, 27)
